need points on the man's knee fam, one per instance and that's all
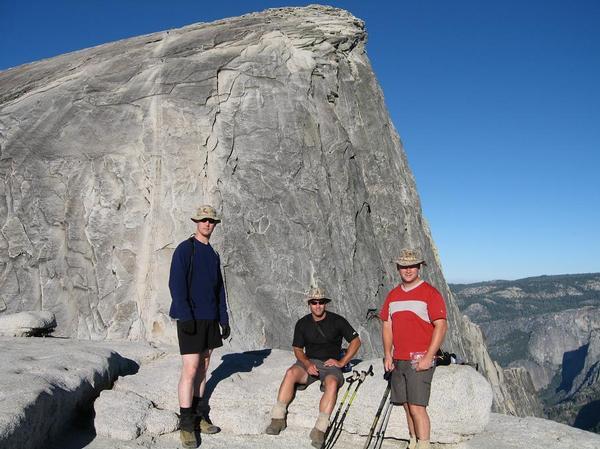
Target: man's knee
(189, 366)
(203, 363)
(294, 374)
(331, 383)
(417, 410)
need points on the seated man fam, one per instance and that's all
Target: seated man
(317, 345)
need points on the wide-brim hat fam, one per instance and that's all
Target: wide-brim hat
(409, 257)
(206, 211)
(317, 293)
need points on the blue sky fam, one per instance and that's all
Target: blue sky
(497, 104)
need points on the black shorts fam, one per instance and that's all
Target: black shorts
(197, 336)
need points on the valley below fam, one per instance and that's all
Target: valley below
(549, 325)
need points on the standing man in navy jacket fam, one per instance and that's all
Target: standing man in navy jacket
(198, 304)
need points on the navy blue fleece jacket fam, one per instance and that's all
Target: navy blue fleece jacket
(207, 289)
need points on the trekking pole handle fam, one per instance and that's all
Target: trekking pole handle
(364, 374)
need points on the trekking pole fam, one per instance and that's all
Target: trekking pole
(383, 426)
(355, 375)
(337, 430)
(386, 394)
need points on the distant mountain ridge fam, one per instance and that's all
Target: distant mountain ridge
(528, 294)
(549, 325)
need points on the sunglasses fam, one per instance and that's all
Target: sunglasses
(314, 302)
(210, 220)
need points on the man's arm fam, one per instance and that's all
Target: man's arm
(350, 352)
(223, 314)
(439, 332)
(310, 367)
(178, 280)
(387, 338)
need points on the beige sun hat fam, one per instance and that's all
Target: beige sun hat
(206, 211)
(317, 293)
(409, 257)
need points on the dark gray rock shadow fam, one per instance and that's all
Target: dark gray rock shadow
(588, 417)
(572, 364)
(242, 362)
(78, 431)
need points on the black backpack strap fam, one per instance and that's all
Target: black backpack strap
(189, 277)
(320, 330)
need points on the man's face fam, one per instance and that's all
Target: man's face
(205, 227)
(409, 274)
(317, 307)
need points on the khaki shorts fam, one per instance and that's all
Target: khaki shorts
(323, 372)
(409, 385)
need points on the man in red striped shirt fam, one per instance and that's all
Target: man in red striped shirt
(414, 326)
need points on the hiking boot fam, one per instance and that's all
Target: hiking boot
(203, 422)
(188, 439)
(276, 426)
(317, 437)
(187, 433)
(207, 427)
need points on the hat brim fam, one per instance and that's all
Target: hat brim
(412, 264)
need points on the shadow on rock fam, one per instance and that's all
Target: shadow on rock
(588, 417)
(79, 434)
(242, 362)
(572, 364)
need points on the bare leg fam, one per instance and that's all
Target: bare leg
(329, 396)
(200, 380)
(420, 418)
(409, 420)
(189, 369)
(294, 375)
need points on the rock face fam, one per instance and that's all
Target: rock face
(27, 324)
(57, 377)
(243, 382)
(125, 416)
(42, 378)
(532, 433)
(276, 118)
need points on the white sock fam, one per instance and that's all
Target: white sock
(412, 444)
(423, 444)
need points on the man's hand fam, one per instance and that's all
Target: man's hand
(312, 369)
(225, 331)
(424, 363)
(388, 363)
(333, 362)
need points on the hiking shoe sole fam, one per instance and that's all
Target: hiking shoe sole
(317, 438)
(208, 428)
(276, 427)
(188, 439)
